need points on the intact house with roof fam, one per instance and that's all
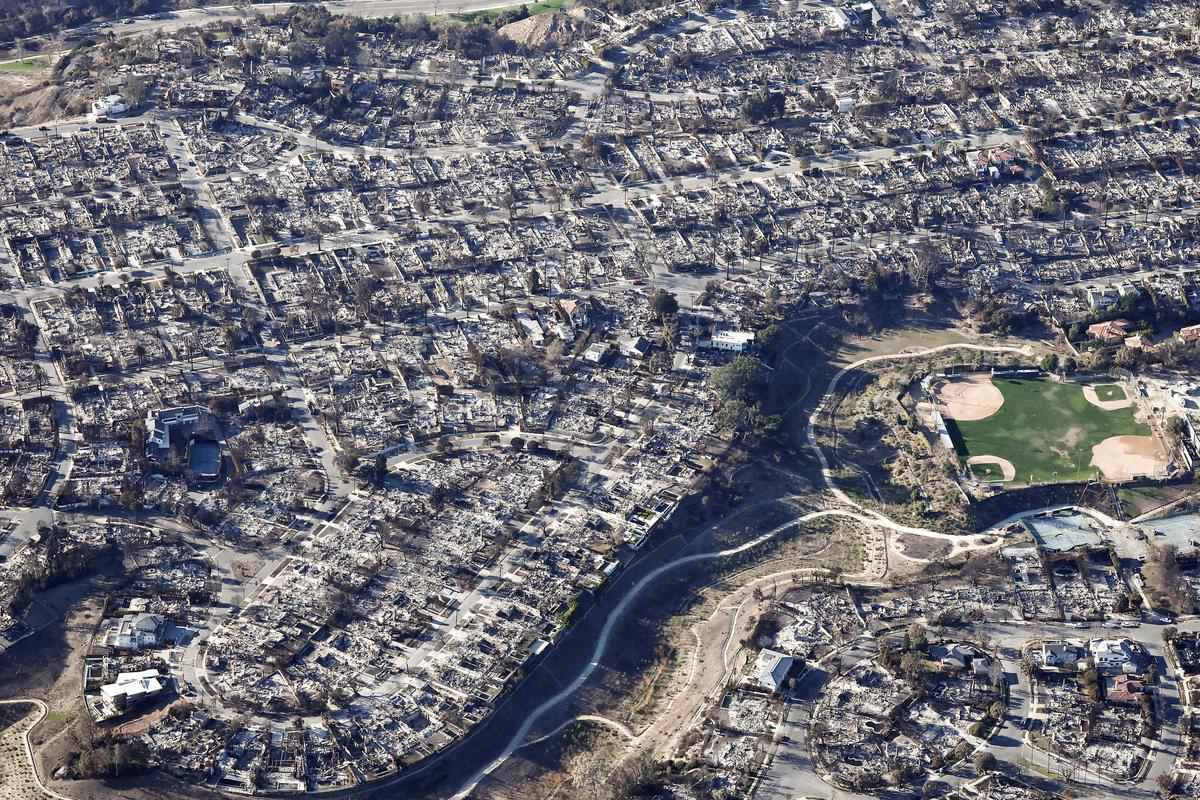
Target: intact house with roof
(134, 632)
(107, 106)
(596, 352)
(127, 692)
(634, 346)
(956, 657)
(1112, 331)
(1061, 655)
(1189, 334)
(1114, 655)
(184, 437)
(733, 341)
(998, 163)
(771, 671)
(1124, 689)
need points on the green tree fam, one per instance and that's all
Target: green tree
(664, 304)
(740, 379)
(135, 91)
(763, 105)
(912, 666)
(1174, 428)
(916, 637)
(734, 415)
(340, 43)
(985, 763)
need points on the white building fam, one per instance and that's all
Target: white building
(1114, 654)
(596, 352)
(634, 346)
(533, 331)
(735, 341)
(1060, 654)
(134, 631)
(131, 688)
(105, 107)
(770, 671)
(159, 425)
(1102, 297)
(838, 19)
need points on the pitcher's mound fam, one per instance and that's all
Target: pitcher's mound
(1122, 458)
(969, 397)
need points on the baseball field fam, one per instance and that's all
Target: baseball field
(1035, 430)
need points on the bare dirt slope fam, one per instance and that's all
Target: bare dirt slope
(16, 778)
(36, 104)
(555, 29)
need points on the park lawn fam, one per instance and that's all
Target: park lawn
(1045, 428)
(490, 14)
(1110, 391)
(31, 64)
(547, 5)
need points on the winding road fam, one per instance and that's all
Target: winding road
(854, 512)
(861, 515)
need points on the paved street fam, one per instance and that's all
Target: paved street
(548, 696)
(791, 773)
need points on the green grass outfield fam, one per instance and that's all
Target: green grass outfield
(1043, 428)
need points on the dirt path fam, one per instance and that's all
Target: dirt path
(18, 775)
(717, 655)
(859, 514)
(605, 721)
(615, 616)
